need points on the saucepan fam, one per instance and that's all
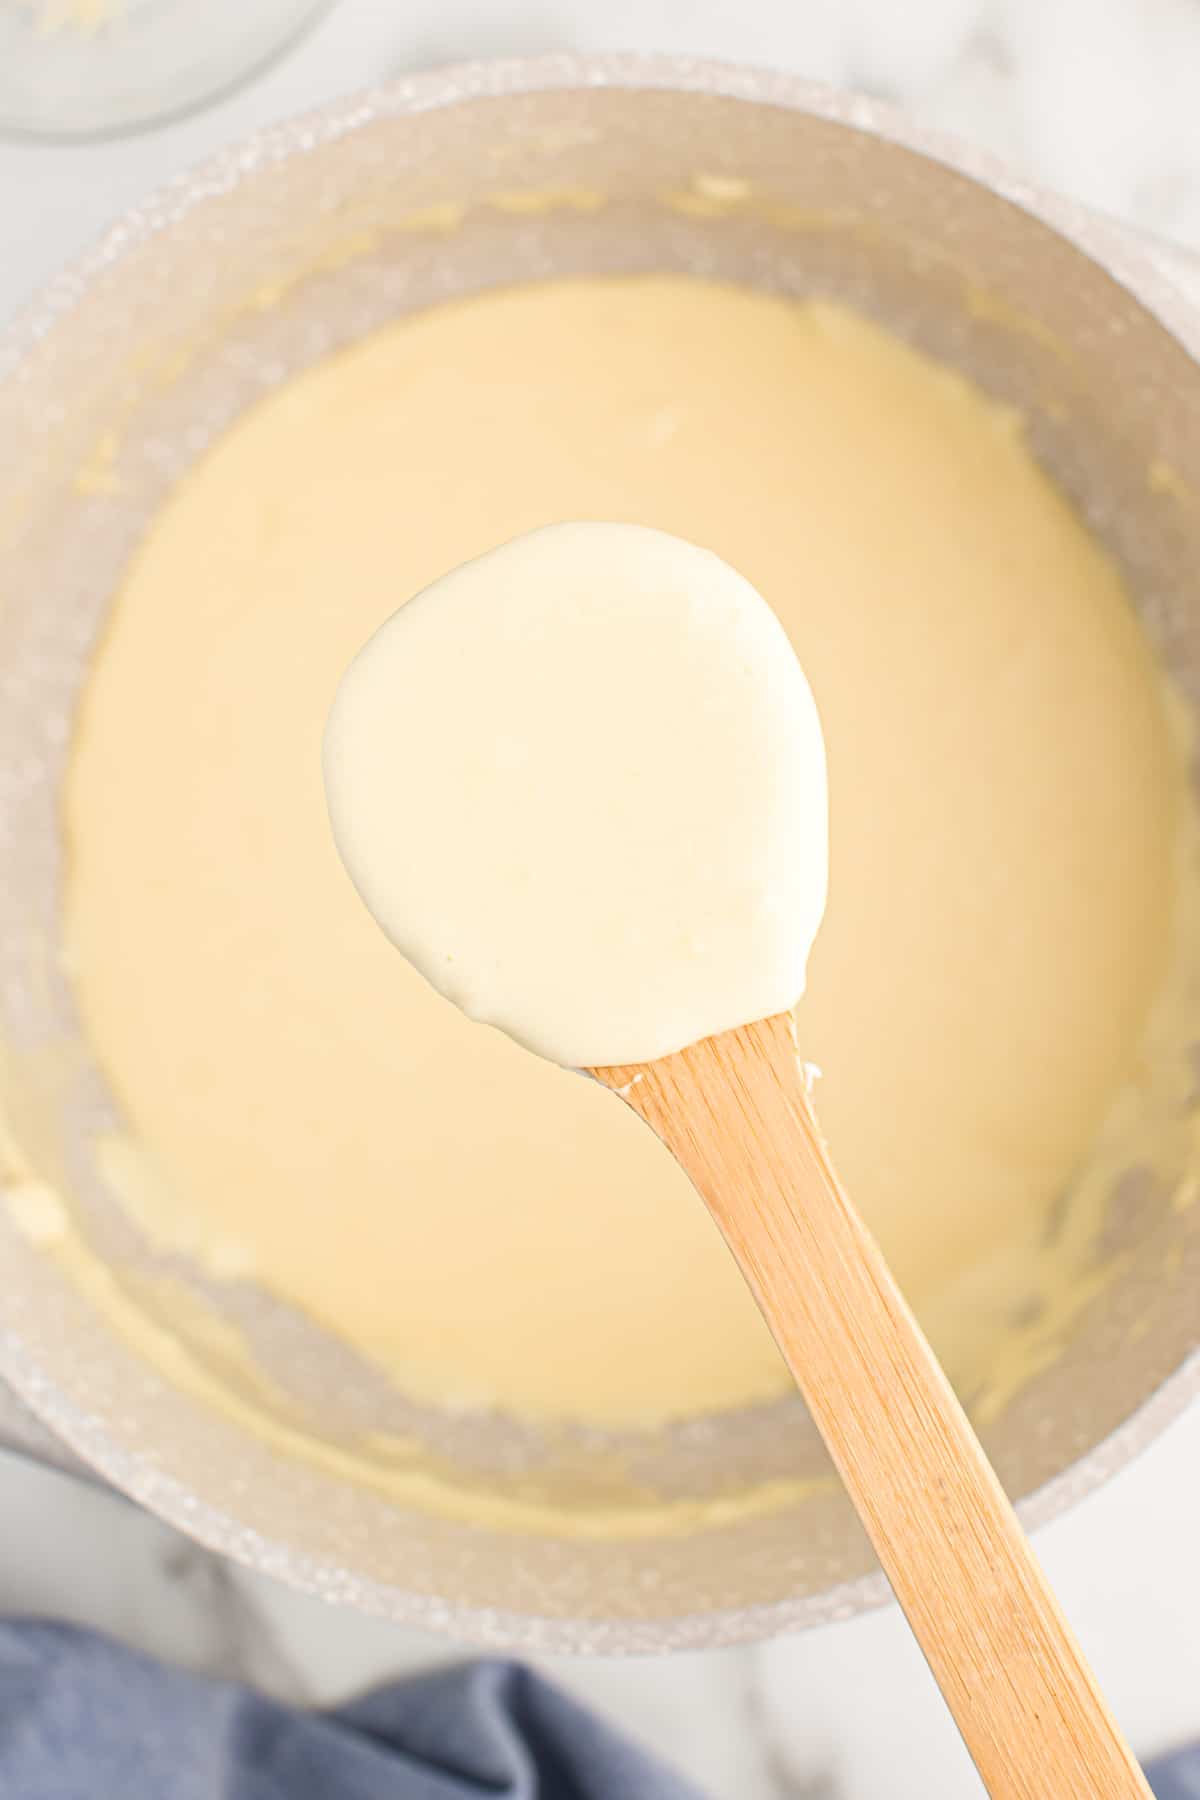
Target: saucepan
(289, 1455)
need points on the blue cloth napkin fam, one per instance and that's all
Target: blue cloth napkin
(81, 1718)
(1176, 1777)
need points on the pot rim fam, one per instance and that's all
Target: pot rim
(1117, 250)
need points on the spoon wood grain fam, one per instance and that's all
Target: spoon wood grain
(735, 1112)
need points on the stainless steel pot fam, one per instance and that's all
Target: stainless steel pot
(274, 254)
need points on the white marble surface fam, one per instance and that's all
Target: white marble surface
(1098, 100)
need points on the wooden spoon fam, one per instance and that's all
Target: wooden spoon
(734, 1111)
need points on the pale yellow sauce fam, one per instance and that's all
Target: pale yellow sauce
(580, 783)
(1002, 797)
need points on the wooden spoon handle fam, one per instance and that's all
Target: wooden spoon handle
(1012, 1673)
